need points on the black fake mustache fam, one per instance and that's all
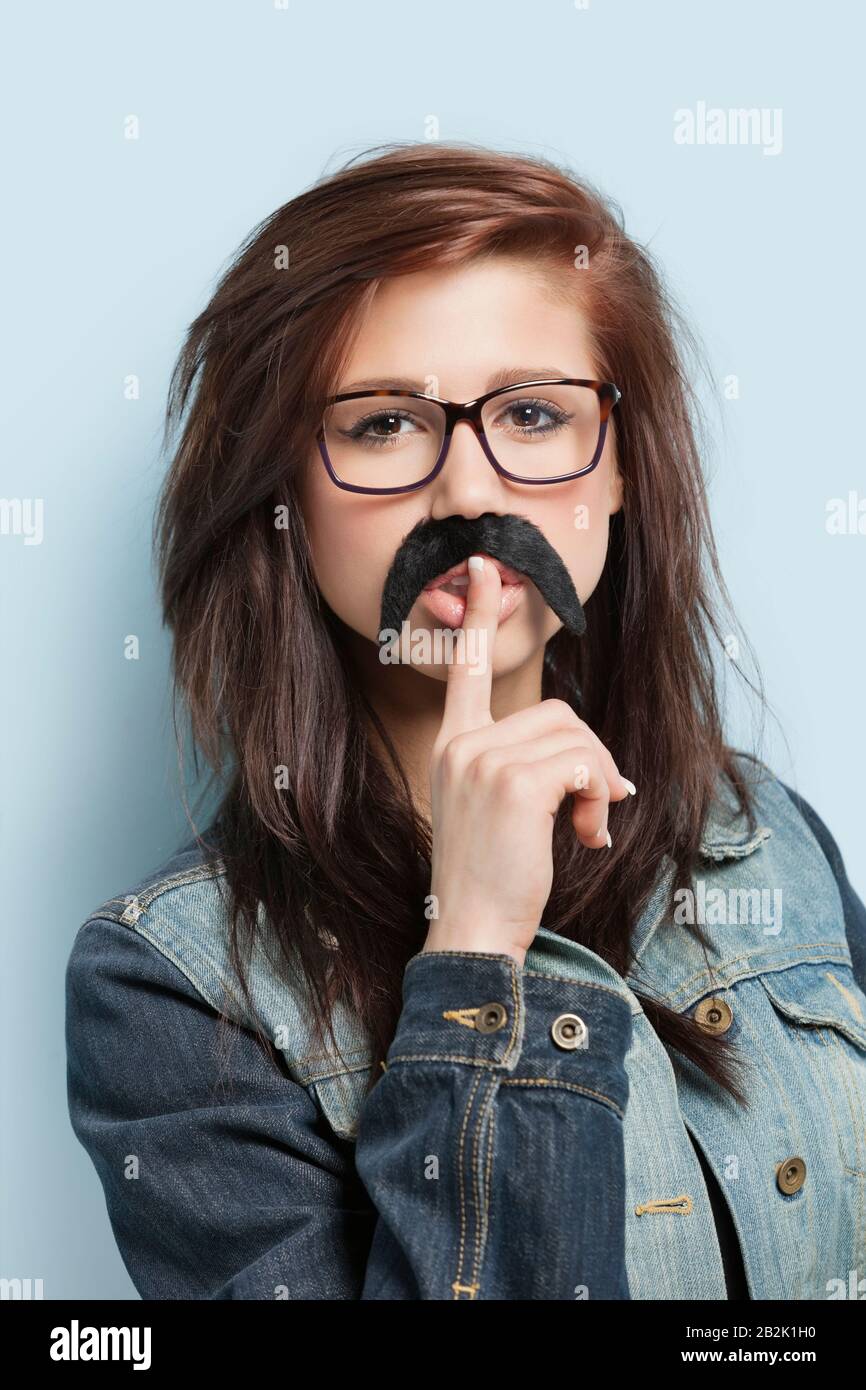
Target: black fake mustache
(432, 547)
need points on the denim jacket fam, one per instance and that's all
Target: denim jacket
(529, 1137)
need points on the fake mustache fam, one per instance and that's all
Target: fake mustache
(433, 547)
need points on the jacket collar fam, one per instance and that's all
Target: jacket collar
(727, 834)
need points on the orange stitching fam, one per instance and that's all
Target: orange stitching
(465, 1016)
(490, 1148)
(464, 1288)
(783, 958)
(562, 1085)
(481, 1227)
(487, 1062)
(678, 1206)
(460, 1182)
(852, 999)
(578, 984)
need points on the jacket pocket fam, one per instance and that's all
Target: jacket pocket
(823, 1013)
(816, 995)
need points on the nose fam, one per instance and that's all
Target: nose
(467, 483)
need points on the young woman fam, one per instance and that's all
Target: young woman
(498, 973)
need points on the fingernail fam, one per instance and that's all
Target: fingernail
(609, 840)
(476, 562)
(599, 832)
(631, 786)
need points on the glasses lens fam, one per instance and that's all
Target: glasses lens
(543, 431)
(383, 441)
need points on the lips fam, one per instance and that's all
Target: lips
(448, 609)
(506, 574)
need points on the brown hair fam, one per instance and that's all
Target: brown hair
(257, 655)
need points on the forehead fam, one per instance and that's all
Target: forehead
(461, 324)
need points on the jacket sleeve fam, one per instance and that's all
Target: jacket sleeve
(489, 1158)
(852, 905)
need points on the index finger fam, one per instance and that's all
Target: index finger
(470, 673)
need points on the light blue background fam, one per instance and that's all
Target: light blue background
(112, 247)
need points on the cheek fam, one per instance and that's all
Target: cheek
(353, 540)
(577, 524)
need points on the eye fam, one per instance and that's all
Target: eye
(383, 427)
(532, 418)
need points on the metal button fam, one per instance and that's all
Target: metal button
(491, 1017)
(714, 1015)
(568, 1031)
(791, 1175)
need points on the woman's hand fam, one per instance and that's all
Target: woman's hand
(495, 791)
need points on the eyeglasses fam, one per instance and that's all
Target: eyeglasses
(386, 442)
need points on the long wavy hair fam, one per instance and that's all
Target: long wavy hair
(334, 853)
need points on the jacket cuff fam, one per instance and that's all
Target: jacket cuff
(483, 1009)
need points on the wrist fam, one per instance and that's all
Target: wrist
(475, 939)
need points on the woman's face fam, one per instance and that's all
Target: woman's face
(460, 327)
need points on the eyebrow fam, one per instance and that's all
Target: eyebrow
(506, 376)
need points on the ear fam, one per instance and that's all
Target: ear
(615, 487)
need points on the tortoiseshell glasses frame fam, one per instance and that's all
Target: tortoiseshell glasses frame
(454, 411)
